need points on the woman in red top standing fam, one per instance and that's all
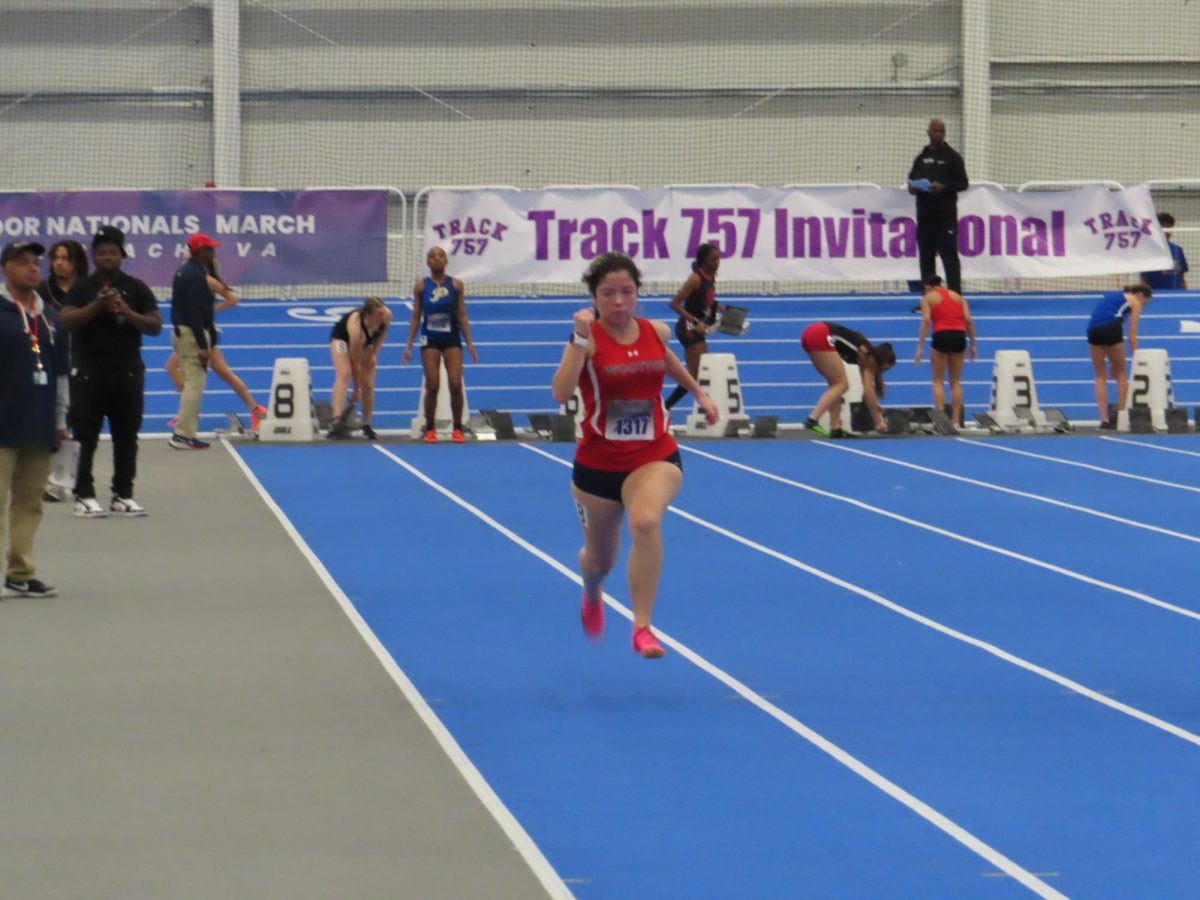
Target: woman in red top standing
(626, 461)
(952, 326)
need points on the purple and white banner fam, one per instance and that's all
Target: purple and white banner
(267, 237)
(814, 234)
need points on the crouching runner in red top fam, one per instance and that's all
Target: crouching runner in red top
(627, 461)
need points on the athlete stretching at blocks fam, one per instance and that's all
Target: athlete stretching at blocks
(832, 347)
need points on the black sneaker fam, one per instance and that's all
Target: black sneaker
(842, 433)
(179, 442)
(369, 433)
(1107, 426)
(30, 588)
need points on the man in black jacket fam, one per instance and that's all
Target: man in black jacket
(937, 176)
(33, 409)
(193, 336)
(107, 313)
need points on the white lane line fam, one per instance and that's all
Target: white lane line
(982, 545)
(931, 815)
(992, 649)
(1149, 446)
(1040, 498)
(521, 840)
(1080, 465)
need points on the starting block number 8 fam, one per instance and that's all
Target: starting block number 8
(283, 404)
(291, 416)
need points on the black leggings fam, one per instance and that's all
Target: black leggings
(116, 394)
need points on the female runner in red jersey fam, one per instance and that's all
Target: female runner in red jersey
(953, 327)
(626, 461)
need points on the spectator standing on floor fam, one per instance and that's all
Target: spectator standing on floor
(938, 175)
(193, 336)
(107, 313)
(33, 410)
(68, 263)
(1174, 278)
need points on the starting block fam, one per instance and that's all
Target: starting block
(931, 419)
(1150, 389)
(765, 427)
(560, 427)
(986, 421)
(574, 409)
(443, 418)
(1014, 405)
(852, 402)
(291, 413)
(733, 321)
(719, 377)
(324, 413)
(345, 424)
(237, 428)
(501, 423)
(899, 421)
(1135, 421)
(1177, 420)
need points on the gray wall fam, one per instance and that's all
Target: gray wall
(410, 93)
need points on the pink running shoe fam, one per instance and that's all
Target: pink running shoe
(591, 613)
(172, 422)
(256, 416)
(645, 643)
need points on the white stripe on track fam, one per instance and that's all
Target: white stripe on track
(1040, 498)
(522, 842)
(1148, 446)
(1080, 465)
(931, 815)
(954, 536)
(992, 649)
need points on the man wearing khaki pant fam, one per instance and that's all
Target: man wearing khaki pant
(192, 336)
(33, 410)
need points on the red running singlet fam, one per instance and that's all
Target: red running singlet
(625, 424)
(947, 315)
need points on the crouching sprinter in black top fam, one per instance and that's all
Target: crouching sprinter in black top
(107, 313)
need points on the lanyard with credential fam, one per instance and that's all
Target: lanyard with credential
(39, 374)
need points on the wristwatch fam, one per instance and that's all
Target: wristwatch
(579, 340)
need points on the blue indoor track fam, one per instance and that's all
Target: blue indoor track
(915, 668)
(520, 341)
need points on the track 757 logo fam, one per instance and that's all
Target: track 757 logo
(1119, 229)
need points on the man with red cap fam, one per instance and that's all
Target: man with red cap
(193, 336)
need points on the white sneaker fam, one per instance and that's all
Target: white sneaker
(88, 508)
(126, 507)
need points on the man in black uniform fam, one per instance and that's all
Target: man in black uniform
(107, 313)
(937, 176)
(193, 336)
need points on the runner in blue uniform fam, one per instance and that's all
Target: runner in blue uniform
(1106, 341)
(440, 312)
